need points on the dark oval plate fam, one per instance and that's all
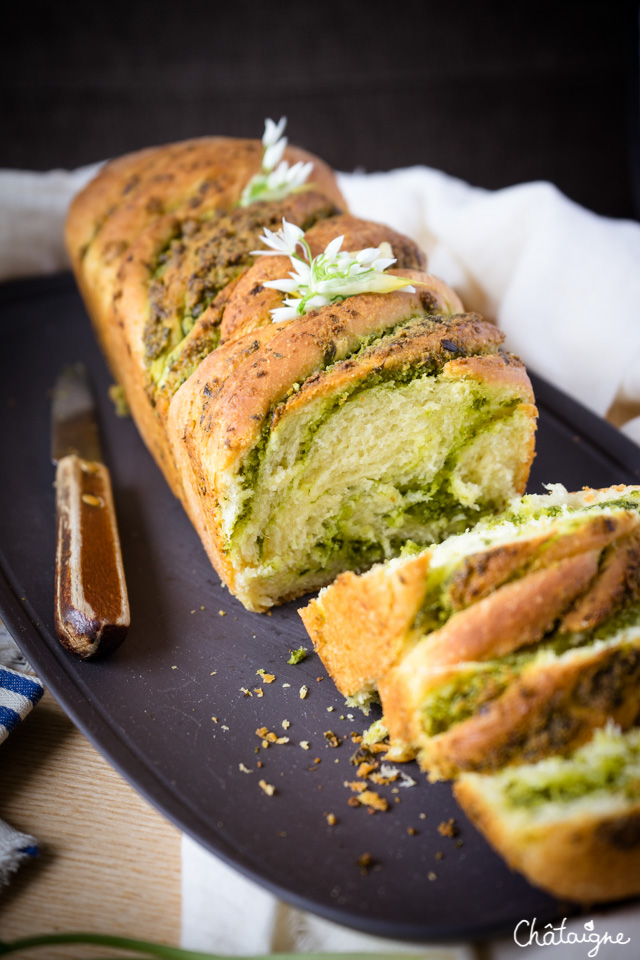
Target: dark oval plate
(149, 708)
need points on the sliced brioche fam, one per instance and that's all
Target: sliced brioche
(499, 586)
(518, 708)
(571, 825)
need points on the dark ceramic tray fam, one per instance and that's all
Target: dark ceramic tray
(149, 707)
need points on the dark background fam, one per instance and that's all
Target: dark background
(493, 92)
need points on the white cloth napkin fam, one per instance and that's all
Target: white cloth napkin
(563, 283)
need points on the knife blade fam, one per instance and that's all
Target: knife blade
(91, 603)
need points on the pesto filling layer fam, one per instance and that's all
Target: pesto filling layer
(610, 763)
(349, 478)
(476, 685)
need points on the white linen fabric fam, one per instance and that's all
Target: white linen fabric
(33, 207)
(564, 284)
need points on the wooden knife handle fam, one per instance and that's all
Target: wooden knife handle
(91, 604)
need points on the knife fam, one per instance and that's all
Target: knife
(91, 604)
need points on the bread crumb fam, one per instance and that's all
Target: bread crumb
(213, 673)
(333, 740)
(286, 724)
(304, 690)
(202, 608)
(268, 788)
(448, 828)
(369, 798)
(282, 740)
(439, 855)
(382, 781)
(193, 611)
(332, 819)
(221, 613)
(412, 831)
(297, 656)
(355, 785)
(432, 876)
(286, 685)
(223, 727)
(422, 816)
(260, 764)
(261, 732)
(366, 862)
(175, 667)
(215, 719)
(304, 744)
(364, 769)
(267, 677)
(244, 769)
(245, 692)
(259, 692)
(330, 709)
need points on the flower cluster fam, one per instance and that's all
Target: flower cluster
(276, 177)
(333, 275)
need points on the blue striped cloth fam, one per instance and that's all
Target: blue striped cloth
(19, 693)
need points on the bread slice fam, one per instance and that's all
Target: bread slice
(570, 824)
(480, 594)
(518, 708)
(325, 444)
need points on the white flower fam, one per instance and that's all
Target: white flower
(273, 131)
(273, 154)
(329, 277)
(276, 179)
(284, 241)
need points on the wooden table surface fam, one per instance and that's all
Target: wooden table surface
(109, 862)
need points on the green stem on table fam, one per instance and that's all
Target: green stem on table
(163, 952)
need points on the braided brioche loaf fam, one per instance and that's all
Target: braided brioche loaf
(301, 448)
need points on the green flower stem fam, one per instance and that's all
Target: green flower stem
(164, 952)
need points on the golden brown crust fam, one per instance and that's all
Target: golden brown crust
(588, 858)
(549, 708)
(251, 304)
(360, 625)
(617, 581)
(513, 616)
(359, 234)
(481, 573)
